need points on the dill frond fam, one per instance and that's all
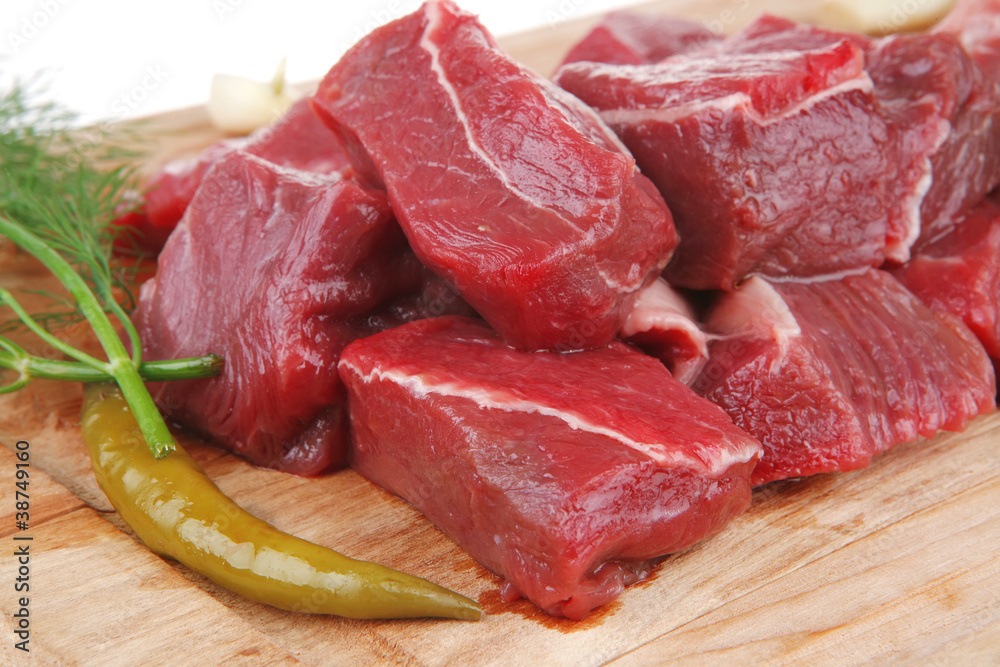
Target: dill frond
(66, 185)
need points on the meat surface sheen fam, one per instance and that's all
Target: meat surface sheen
(828, 374)
(566, 474)
(506, 186)
(272, 268)
(297, 140)
(630, 38)
(960, 274)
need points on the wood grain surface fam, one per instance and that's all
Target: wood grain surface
(897, 562)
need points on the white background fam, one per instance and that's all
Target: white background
(112, 59)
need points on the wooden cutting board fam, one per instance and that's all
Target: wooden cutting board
(896, 562)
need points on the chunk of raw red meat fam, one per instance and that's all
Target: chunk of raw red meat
(630, 38)
(507, 187)
(934, 97)
(960, 274)
(276, 270)
(828, 374)
(933, 126)
(298, 140)
(664, 325)
(767, 146)
(566, 474)
(967, 164)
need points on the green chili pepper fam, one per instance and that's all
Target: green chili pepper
(178, 512)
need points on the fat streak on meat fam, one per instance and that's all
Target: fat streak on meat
(664, 325)
(566, 474)
(510, 189)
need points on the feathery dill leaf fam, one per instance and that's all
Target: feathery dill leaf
(64, 189)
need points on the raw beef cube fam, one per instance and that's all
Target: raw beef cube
(934, 99)
(768, 148)
(507, 187)
(630, 38)
(967, 165)
(827, 374)
(566, 474)
(664, 325)
(276, 270)
(298, 140)
(960, 274)
(941, 90)
(943, 110)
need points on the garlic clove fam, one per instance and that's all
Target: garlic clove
(239, 105)
(882, 17)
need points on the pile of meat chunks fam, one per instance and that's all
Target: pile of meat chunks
(575, 321)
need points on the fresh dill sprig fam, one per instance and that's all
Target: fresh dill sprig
(58, 196)
(65, 190)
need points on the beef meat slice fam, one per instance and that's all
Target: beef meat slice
(790, 150)
(273, 269)
(827, 374)
(510, 189)
(566, 474)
